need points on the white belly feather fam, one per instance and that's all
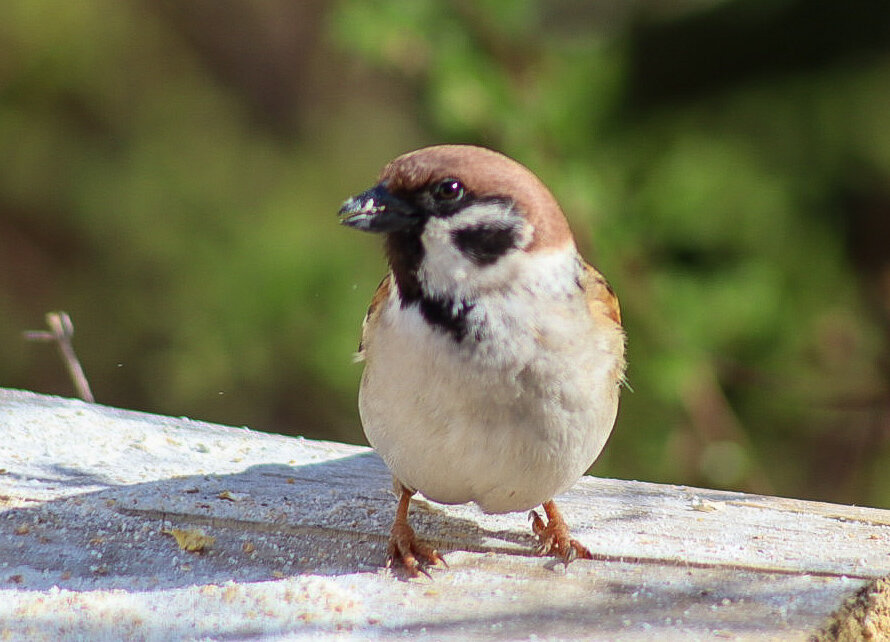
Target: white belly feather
(508, 423)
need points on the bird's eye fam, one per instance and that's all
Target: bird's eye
(450, 189)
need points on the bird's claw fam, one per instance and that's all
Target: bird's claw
(413, 556)
(555, 540)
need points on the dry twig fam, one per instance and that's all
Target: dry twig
(61, 330)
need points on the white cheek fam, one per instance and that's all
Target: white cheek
(444, 266)
(447, 270)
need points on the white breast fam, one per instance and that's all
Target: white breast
(507, 422)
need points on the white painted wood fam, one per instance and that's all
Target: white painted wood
(299, 528)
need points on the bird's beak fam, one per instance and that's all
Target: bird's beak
(377, 210)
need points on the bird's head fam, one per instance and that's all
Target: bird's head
(459, 217)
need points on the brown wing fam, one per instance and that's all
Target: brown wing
(603, 305)
(379, 297)
(601, 299)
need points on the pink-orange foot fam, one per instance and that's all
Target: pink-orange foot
(404, 549)
(554, 536)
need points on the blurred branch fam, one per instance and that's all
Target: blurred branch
(714, 420)
(61, 331)
(513, 55)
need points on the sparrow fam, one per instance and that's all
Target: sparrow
(493, 353)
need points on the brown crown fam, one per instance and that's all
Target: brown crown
(487, 174)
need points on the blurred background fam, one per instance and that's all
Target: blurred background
(170, 173)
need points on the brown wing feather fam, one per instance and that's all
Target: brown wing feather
(601, 298)
(379, 297)
(603, 304)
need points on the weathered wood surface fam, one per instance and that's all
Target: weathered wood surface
(87, 493)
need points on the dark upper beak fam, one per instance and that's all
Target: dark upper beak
(377, 210)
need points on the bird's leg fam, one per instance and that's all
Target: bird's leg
(404, 547)
(554, 536)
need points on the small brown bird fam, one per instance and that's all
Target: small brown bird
(493, 352)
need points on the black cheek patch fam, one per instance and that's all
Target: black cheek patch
(485, 244)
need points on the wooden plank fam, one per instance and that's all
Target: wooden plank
(87, 493)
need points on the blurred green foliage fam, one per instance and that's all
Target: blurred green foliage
(170, 173)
